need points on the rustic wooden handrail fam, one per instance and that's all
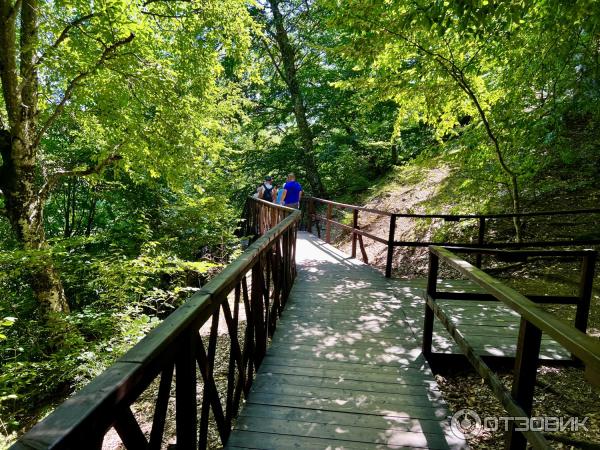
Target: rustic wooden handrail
(454, 217)
(352, 207)
(260, 280)
(534, 322)
(390, 240)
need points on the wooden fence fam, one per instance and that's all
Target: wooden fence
(314, 208)
(259, 281)
(534, 322)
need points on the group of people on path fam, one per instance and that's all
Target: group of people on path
(288, 195)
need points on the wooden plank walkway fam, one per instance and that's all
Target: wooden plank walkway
(490, 327)
(345, 368)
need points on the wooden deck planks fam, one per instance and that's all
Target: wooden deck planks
(344, 369)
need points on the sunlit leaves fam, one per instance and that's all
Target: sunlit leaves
(161, 101)
(526, 63)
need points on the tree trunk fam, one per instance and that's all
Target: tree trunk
(511, 174)
(21, 172)
(67, 211)
(25, 214)
(91, 214)
(23, 204)
(288, 59)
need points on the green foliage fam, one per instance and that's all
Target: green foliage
(116, 298)
(478, 71)
(159, 84)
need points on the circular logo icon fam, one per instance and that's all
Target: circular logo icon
(465, 422)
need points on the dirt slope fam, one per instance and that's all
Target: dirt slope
(401, 196)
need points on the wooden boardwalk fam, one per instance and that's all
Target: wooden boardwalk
(345, 368)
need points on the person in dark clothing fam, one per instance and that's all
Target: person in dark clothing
(266, 191)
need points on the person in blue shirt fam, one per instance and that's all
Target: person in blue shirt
(279, 190)
(292, 192)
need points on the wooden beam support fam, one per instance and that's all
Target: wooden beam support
(480, 240)
(390, 248)
(526, 363)
(328, 225)
(430, 293)
(354, 228)
(185, 393)
(586, 283)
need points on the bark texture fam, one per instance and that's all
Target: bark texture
(26, 216)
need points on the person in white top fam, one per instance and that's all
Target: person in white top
(266, 191)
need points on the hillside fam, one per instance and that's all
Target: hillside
(441, 186)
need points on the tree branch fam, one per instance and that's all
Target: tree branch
(174, 16)
(64, 34)
(458, 75)
(28, 43)
(274, 61)
(53, 178)
(106, 54)
(148, 2)
(12, 12)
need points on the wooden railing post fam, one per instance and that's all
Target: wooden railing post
(585, 291)
(284, 266)
(480, 241)
(312, 213)
(434, 263)
(526, 362)
(317, 218)
(390, 249)
(185, 392)
(293, 239)
(328, 226)
(354, 228)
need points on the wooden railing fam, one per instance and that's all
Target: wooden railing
(258, 281)
(534, 322)
(262, 215)
(315, 207)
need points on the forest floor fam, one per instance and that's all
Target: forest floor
(560, 391)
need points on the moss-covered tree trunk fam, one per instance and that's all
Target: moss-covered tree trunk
(25, 214)
(23, 204)
(24, 181)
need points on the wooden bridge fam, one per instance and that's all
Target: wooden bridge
(345, 368)
(343, 365)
